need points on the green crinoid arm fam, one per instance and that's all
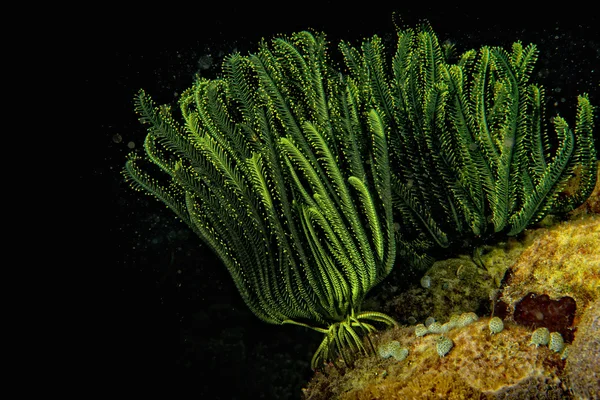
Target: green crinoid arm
(539, 201)
(580, 177)
(279, 169)
(304, 178)
(469, 153)
(343, 338)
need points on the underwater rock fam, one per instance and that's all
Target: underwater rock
(455, 286)
(537, 311)
(480, 365)
(583, 361)
(554, 276)
(563, 262)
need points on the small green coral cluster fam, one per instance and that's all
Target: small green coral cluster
(443, 345)
(435, 327)
(540, 337)
(392, 349)
(554, 340)
(421, 330)
(496, 325)
(556, 343)
(543, 337)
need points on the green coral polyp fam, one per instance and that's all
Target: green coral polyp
(443, 345)
(421, 330)
(540, 337)
(496, 325)
(556, 342)
(393, 349)
(564, 354)
(466, 319)
(436, 327)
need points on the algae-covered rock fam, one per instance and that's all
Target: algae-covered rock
(479, 365)
(562, 262)
(557, 265)
(460, 284)
(454, 286)
(583, 361)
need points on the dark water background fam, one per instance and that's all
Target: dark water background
(167, 312)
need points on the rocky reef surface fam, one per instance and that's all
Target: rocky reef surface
(544, 285)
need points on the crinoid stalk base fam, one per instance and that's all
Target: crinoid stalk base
(343, 338)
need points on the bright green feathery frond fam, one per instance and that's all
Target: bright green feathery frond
(543, 194)
(275, 166)
(470, 154)
(305, 179)
(371, 213)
